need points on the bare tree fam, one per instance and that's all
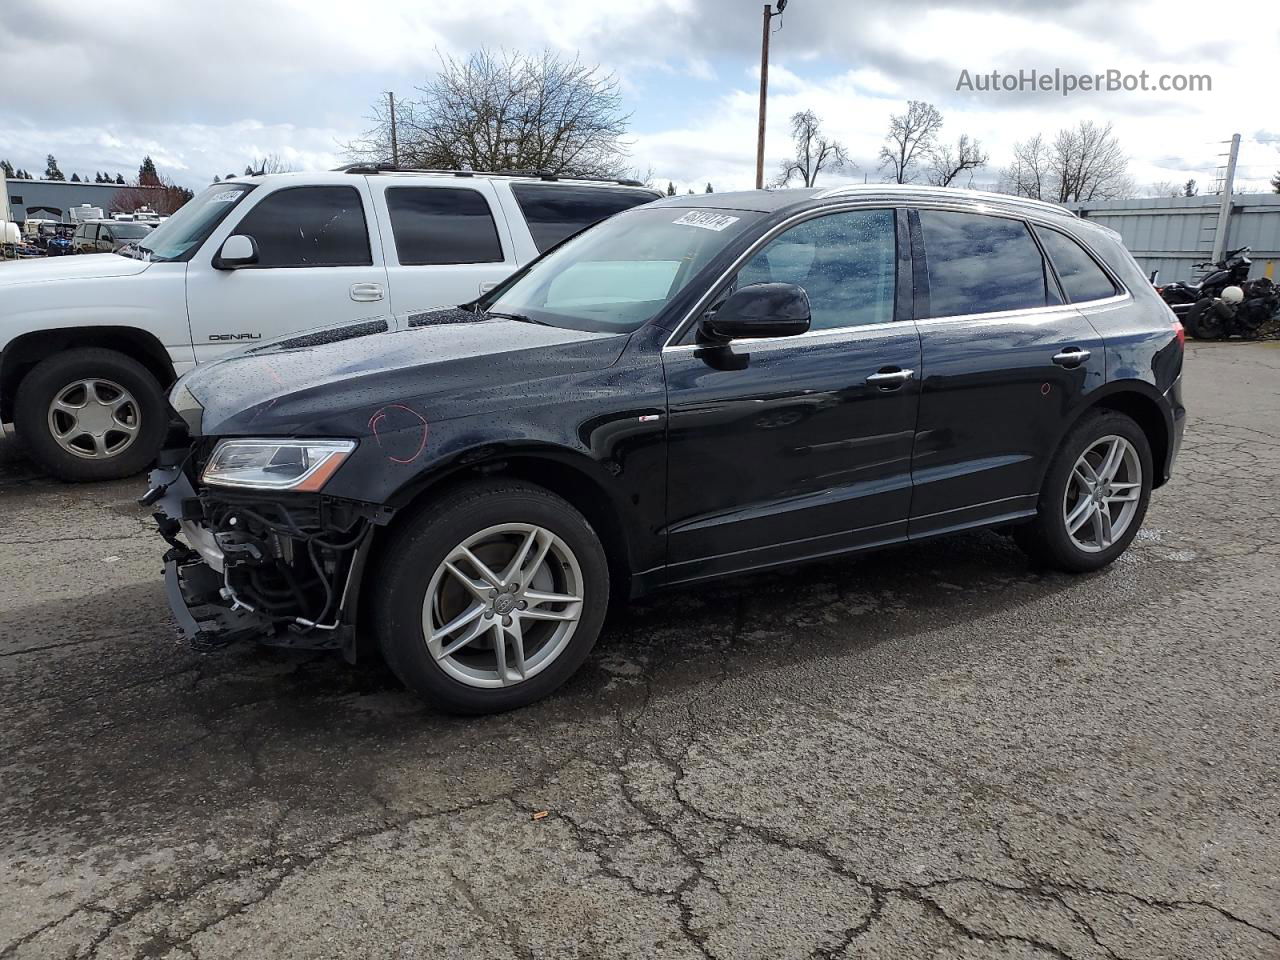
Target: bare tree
(1089, 164)
(1028, 174)
(506, 111)
(947, 163)
(1084, 162)
(1164, 188)
(910, 138)
(813, 151)
(271, 163)
(163, 196)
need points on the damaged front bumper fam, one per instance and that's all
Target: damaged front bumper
(284, 570)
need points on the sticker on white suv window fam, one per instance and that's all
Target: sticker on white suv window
(226, 196)
(707, 221)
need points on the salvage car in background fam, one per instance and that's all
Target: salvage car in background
(89, 344)
(107, 236)
(693, 389)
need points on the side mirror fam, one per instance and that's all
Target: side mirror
(760, 310)
(237, 251)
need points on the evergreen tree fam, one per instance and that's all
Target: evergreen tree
(75, 178)
(120, 179)
(147, 176)
(671, 189)
(216, 178)
(248, 170)
(7, 168)
(51, 171)
(1190, 189)
(708, 190)
(1275, 183)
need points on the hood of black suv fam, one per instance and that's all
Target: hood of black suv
(330, 381)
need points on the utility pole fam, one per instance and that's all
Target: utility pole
(769, 14)
(1224, 209)
(395, 150)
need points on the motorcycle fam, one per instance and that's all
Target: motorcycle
(1231, 270)
(1241, 309)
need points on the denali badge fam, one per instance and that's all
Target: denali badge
(217, 337)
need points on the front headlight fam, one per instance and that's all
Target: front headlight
(301, 465)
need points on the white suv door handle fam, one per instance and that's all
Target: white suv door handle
(366, 291)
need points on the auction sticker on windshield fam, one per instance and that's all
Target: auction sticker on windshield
(707, 221)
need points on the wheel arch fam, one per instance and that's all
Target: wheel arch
(22, 353)
(569, 475)
(1143, 404)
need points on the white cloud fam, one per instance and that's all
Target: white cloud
(225, 82)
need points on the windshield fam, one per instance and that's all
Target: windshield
(179, 236)
(620, 273)
(129, 231)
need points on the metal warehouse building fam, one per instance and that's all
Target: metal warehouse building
(1173, 234)
(52, 199)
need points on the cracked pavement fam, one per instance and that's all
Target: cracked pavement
(934, 751)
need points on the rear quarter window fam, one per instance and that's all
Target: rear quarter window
(1081, 277)
(554, 212)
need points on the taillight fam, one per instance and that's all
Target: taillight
(1181, 332)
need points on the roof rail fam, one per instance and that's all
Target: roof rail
(923, 191)
(373, 168)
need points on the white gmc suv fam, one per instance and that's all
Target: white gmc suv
(89, 344)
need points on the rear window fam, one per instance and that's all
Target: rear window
(555, 212)
(1082, 279)
(981, 264)
(442, 225)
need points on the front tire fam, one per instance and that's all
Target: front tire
(1094, 496)
(91, 414)
(491, 598)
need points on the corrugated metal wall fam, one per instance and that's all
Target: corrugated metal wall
(1172, 234)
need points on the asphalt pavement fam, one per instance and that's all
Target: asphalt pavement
(935, 751)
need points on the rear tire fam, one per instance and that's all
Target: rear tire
(131, 434)
(1095, 542)
(521, 648)
(1203, 321)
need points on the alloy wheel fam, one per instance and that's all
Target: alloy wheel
(503, 605)
(94, 419)
(1102, 494)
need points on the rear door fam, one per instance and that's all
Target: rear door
(316, 266)
(445, 240)
(802, 445)
(1005, 363)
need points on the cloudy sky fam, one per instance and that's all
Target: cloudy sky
(203, 87)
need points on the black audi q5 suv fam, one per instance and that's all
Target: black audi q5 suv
(695, 388)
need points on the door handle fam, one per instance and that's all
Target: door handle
(1071, 357)
(890, 378)
(366, 291)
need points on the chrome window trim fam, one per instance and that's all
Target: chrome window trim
(887, 203)
(807, 335)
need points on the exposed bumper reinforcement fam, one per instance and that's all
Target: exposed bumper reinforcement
(206, 622)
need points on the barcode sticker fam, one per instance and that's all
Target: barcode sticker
(707, 221)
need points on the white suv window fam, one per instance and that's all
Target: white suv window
(442, 225)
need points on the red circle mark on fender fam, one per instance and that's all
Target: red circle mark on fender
(398, 411)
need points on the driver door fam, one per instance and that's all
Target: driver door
(801, 446)
(316, 267)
